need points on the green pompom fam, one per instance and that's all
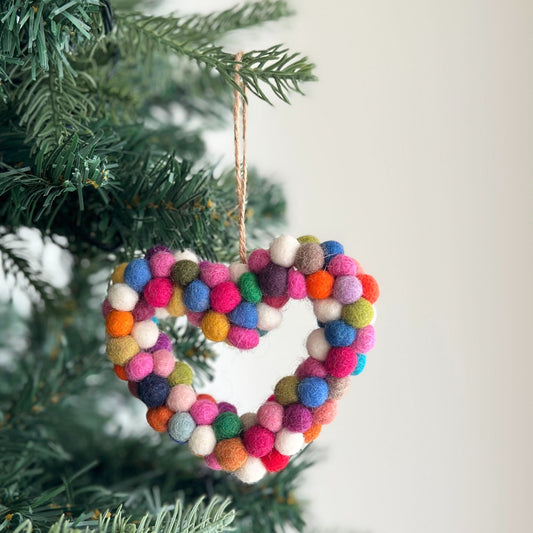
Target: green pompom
(359, 314)
(227, 425)
(286, 390)
(182, 373)
(249, 288)
(184, 272)
(307, 238)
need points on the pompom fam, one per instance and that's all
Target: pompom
(207, 397)
(286, 390)
(161, 313)
(331, 250)
(226, 407)
(196, 296)
(142, 311)
(370, 287)
(215, 326)
(184, 272)
(119, 323)
(163, 343)
(327, 310)
(195, 319)
(156, 249)
(364, 340)
(309, 258)
(258, 260)
(273, 280)
(277, 302)
(244, 315)
(347, 289)
(308, 238)
(132, 387)
(283, 250)
(268, 318)
(122, 297)
(106, 307)
(251, 471)
(326, 413)
(227, 425)
(204, 412)
(338, 387)
(181, 397)
(186, 255)
(249, 287)
(145, 333)
(137, 274)
(225, 297)
(121, 349)
(312, 392)
(158, 292)
(158, 417)
(242, 338)
(163, 363)
(180, 427)
(319, 285)
(202, 441)
(296, 287)
(288, 442)
(120, 372)
(139, 366)
(153, 390)
(359, 314)
(236, 270)
(342, 265)
(339, 333)
(340, 362)
(212, 274)
(361, 363)
(118, 273)
(211, 462)
(317, 345)
(182, 373)
(275, 461)
(176, 306)
(258, 441)
(270, 416)
(248, 420)
(312, 433)
(311, 367)
(230, 454)
(161, 264)
(297, 418)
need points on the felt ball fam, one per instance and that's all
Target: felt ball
(271, 398)
(327, 310)
(339, 333)
(364, 340)
(161, 264)
(340, 362)
(268, 318)
(338, 387)
(243, 338)
(142, 311)
(297, 418)
(370, 288)
(225, 297)
(122, 297)
(286, 390)
(153, 390)
(258, 441)
(361, 363)
(258, 260)
(326, 413)
(215, 326)
(249, 287)
(347, 289)
(277, 302)
(120, 372)
(204, 412)
(212, 274)
(251, 471)
(273, 280)
(158, 292)
(211, 462)
(145, 333)
(270, 416)
(118, 273)
(121, 349)
(226, 407)
(207, 397)
(196, 296)
(163, 343)
(186, 255)
(236, 270)
(317, 345)
(296, 287)
(160, 314)
(309, 258)
(181, 397)
(275, 461)
(319, 285)
(202, 440)
(312, 392)
(195, 319)
(331, 249)
(308, 238)
(182, 373)
(311, 367)
(359, 314)
(119, 323)
(139, 366)
(248, 420)
(342, 265)
(158, 417)
(106, 307)
(244, 315)
(283, 250)
(163, 363)
(175, 306)
(288, 442)
(312, 433)
(181, 426)
(132, 387)
(184, 272)
(155, 249)
(230, 454)
(227, 425)
(137, 274)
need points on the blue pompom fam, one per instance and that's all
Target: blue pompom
(313, 391)
(331, 249)
(153, 390)
(196, 296)
(244, 315)
(137, 274)
(361, 362)
(180, 427)
(338, 333)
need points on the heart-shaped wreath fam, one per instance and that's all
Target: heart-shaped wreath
(238, 304)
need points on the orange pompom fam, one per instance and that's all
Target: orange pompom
(118, 323)
(158, 417)
(231, 454)
(312, 433)
(370, 287)
(206, 397)
(319, 285)
(120, 371)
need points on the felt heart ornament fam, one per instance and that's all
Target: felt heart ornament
(237, 304)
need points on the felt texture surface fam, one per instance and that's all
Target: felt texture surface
(297, 418)
(359, 314)
(331, 250)
(180, 427)
(225, 297)
(270, 416)
(338, 387)
(142, 310)
(204, 412)
(243, 338)
(158, 417)
(310, 367)
(258, 441)
(230, 454)
(361, 363)
(286, 390)
(122, 297)
(370, 287)
(258, 260)
(309, 258)
(342, 265)
(137, 274)
(251, 471)
(182, 373)
(275, 461)
(119, 323)
(312, 392)
(340, 362)
(120, 350)
(215, 326)
(227, 425)
(181, 397)
(196, 296)
(184, 272)
(161, 264)
(317, 345)
(163, 362)
(319, 285)
(158, 291)
(153, 390)
(244, 315)
(283, 250)
(273, 280)
(249, 287)
(212, 274)
(202, 440)
(145, 333)
(347, 289)
(288, 442)
(139, 366)
(339, 333)
(118, 274)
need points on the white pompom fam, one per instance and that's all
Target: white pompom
(145, 333)
(317, 345)
(236, 270)
(248, 420)
(288, 442)
(268, 318)
(122, 297)
(186, 254)
(283, 250)
(202, 440)
(327, 310)
(161, 313)
(251, 471)
(373, 321)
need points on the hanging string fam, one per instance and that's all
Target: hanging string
(241, 169)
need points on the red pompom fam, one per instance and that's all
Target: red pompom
(275, 461)
(258, 441)
(276, 301)
(340, 362)
(370, 287)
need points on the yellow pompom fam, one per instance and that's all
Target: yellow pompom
(175, 306)
(121, 349)
(286, 390)
(118, 273)
(215, 326)
(182, 374)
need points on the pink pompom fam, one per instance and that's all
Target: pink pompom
(243, 338)
(276, 301)
(161, 263)
(225, 297)
(258, 441)
(204, 412)
(311, 367)
(326, 413)
(181, 398)
(347, 289)
(225, 407)
(211, 462)
(195, 319)
(163, 363)
(340, 362)
(364, 340)
(258, 260)
(139, 366)
(142, 311)
(270, 416)
(296, 287)
(342, 265)
(158, 292)
(106, 307)
(213, 274)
